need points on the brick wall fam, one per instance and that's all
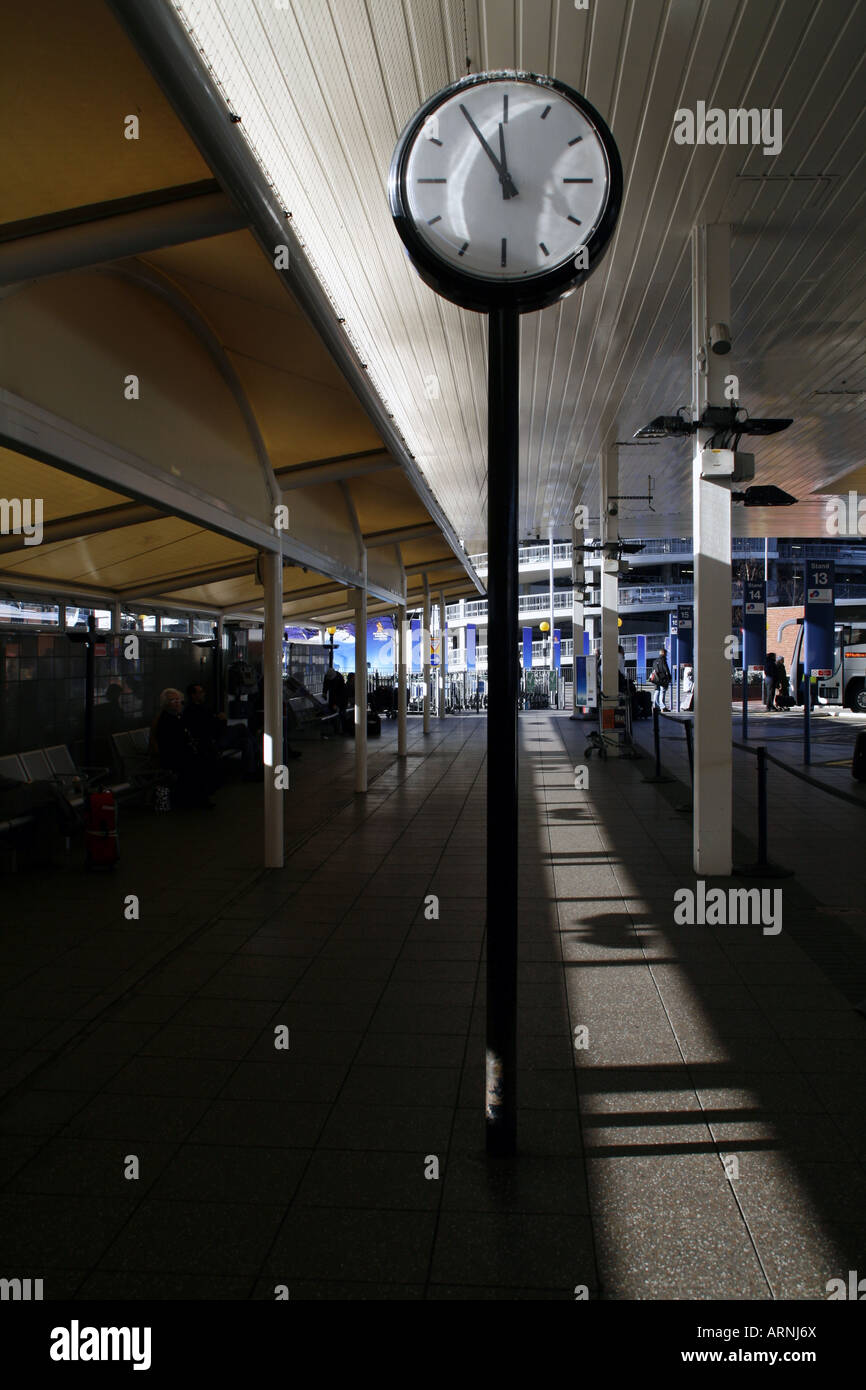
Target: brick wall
(783, 646)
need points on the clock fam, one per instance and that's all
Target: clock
(505, 188)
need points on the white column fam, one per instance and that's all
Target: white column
(403, 657)
(609, 531)
(550, 600)
(711, 510)
(425, 654)
(361, 682)
(271, 568)
(443, 657)
(578, 581)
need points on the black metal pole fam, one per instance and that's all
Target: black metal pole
(807, 718)
(657, 740)
(762, 805)
(502, 673)
(89, 668)
(745, 691)
(691, 751)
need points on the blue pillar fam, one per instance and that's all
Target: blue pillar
(754, 622)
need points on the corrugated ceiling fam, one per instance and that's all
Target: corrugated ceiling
(323, 88)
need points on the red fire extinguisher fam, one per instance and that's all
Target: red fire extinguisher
(100, 830)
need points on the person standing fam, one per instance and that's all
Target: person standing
(660, 679)
(770, 679)
(783, 686)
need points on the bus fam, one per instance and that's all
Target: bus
(847, 683)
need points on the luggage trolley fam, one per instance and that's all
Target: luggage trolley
(614, 727)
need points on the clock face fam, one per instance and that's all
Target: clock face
(503, 181)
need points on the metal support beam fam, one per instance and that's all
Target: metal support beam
(503, 436)
(272, 669)
(111, 232)
(551, 601)
(578, 580)
(443, 656)
(88, 524)
(404, 656)
(442, 563)
(334, 470)
(421, 532)
(609, 531)
(192, 580)
(361, 686)
(425, 653)
(711, 529)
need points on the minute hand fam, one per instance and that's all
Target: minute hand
(487, 150)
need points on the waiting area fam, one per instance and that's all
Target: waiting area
(294, 1057)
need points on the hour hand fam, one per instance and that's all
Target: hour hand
(508, 187)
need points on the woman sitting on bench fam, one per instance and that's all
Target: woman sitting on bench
(196, 771)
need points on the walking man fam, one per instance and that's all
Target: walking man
(660, 679)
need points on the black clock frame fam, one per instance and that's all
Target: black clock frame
(476, 292)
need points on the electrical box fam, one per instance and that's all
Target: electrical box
(717, 463)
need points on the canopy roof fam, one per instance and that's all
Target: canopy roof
(164, 388)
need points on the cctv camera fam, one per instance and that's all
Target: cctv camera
(720, 339)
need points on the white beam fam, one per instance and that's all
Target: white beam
(578, 578)
(272, 669)
(443, 656)
(425, 653)
(404, 656)
(609, 531)
(711, 528)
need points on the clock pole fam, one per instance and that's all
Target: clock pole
(503, 422)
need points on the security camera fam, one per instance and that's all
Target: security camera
(720, 339)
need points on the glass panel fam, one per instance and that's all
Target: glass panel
(15, 613)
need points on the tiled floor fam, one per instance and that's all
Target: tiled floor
(708, 1141)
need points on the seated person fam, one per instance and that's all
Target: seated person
(212, 734)
(196, 771)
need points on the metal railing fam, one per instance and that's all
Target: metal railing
(531, 555)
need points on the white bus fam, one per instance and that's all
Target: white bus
(847, 684)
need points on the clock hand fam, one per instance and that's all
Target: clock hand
(508, 187)
(484, 145)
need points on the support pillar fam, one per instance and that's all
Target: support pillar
(361, 683)
(403, 657)
(271, 570)
(219, 693)
(425, 654)
(443, 656)
(609, 531)
(711, 527)
(552, 620)
(578, 582)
